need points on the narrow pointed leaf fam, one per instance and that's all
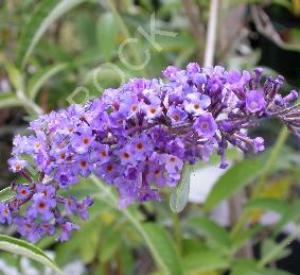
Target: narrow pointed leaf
(204, 261)
(236, 177)
(107, 31)
(8, 100)
(26, 249)
(37, 81)
(164, 247)
(6, 194)
(46, 13)
(213, 231)
(14, 76)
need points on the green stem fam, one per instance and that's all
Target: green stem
(271, 161)
(279, 248)
(261, 183)
(112, 200)
(177, 231)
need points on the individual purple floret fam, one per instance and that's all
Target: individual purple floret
(138, 138)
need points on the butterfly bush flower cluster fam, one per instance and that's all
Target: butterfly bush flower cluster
(137, 138)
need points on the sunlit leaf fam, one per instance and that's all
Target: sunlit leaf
(6, 194)
(26, 249)
(237, 177)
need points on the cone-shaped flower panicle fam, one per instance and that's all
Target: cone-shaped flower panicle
(138, 138)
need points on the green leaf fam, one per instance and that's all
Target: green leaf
(107, 31)
(236, 177)
(14, 76)
(6, 194)
(179, 197)
(111, 243)
(204, 261)
(47, 12)
(239, 240)
(249, 267)
(213, 231)
(269, 245)
(164, 247)
(9, 99)
(155, 237)
(26, 249)
(292, 214)
(39, 79)
(270, 204)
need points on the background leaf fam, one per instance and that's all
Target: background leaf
(107, 31)
(44, 16)
(204, 261)
(40, 78)
(9, 99)
(165, 249)
(161, 247)
(212, 231)
(236, 177)
(270, 204)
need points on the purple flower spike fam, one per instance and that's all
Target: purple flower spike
(255, 101)
(138, 137)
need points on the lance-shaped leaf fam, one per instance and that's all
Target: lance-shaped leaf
(37, 81)
(28, 250)
(6, 194)
(204, 261)
(8, 100)
(234, 179)
(213, 231)
(165, 251)
(46, 13)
